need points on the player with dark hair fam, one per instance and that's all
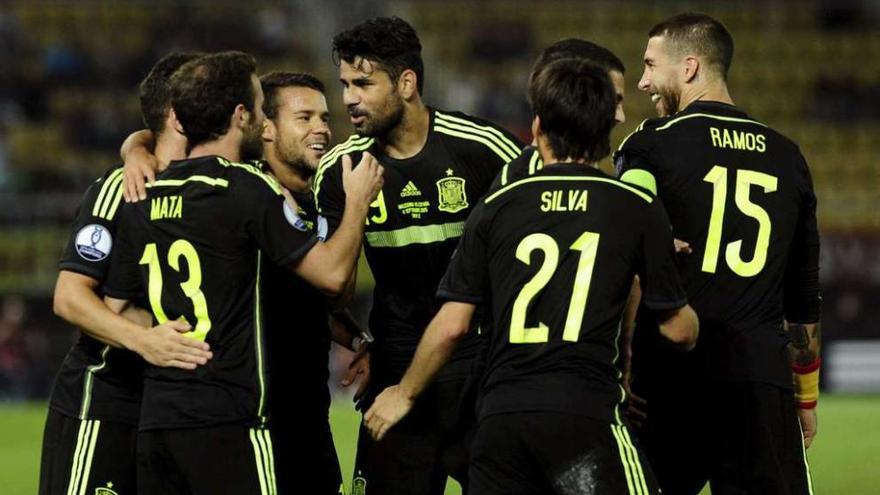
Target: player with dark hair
(91, 428)
(295, 137)
(438, 164)
(553, 257)
(741, 195)
(530, 160)
(196, 248)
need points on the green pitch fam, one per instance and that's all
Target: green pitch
(841, 457)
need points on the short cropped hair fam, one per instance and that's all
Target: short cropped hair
(205, 92)
(154, 91)
(274, 81)
(576, 102)
(698, 34)
(388, 41)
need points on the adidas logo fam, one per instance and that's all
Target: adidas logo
(410, 189)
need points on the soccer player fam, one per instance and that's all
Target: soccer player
(553, 256)
(530, 160)
(438, 165)
(196, 247)
(741, 195)
(295, 137)
(89, 439)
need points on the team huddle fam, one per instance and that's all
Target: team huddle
(537, 325)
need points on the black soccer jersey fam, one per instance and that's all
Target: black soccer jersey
(741, 194)
(297, 342)
(414, 225)
(557, 253)
(525, 165)
(196, 246)
(97, 381)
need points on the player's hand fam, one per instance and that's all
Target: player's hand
(358, 371)
(387, 410)
(682, 247)
(362, 183)
(636, 407)
(139, 168)
(166, 346)
(809, 425)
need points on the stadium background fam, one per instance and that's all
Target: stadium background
(67, 99)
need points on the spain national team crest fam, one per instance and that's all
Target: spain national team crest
(453, 197)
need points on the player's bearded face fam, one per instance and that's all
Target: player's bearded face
(371, 97)
(661, 79)
(379, 122)
(252, 142)
(302, 133)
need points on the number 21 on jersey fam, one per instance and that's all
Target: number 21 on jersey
(588, 245)
(192, 288)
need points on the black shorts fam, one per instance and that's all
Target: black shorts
(206, 461)
(305, 456)
(418, 454)
(740, 437)
(81, 456)
(537, 453)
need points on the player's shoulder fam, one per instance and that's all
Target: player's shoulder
(246, 177)
(354, 146)
(110, 179)
(592, 178)
(525, 165)
(468, 131)
(104, 193)
(644, 134)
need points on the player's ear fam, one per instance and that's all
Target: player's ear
(407, 84)
(171, 121)
(691, 66)
(269, 130)
(240, 116)
(536, 129)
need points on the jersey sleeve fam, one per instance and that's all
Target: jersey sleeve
(330, 195)
(466, 277)
(802, 292)
(123, 277)
(661, 285)
(90, 245)
(633, 163)
(279, 232)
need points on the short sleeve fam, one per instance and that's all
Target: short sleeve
(330, 195)
(124, 277)
(633, 162)
(275, 226)
(91, 242)
(658, 273)
(466, 276)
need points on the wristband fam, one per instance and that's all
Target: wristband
(806, 384)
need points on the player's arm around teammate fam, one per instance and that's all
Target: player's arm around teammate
(77, 301)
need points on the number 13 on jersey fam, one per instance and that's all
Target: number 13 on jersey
(192, 288)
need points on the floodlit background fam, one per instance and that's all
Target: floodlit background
(68, 76)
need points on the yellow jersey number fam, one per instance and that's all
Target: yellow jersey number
(588, 245)
(192, 288)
